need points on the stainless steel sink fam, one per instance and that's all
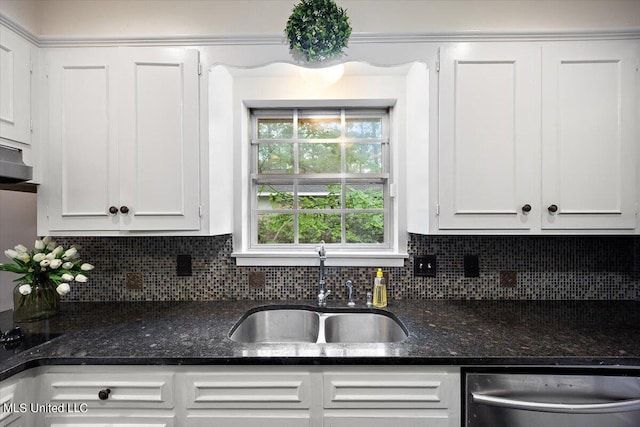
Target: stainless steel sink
(277, 326)
(286, 325)
(362, 327)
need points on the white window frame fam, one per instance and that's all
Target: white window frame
(296, 179)
(234, 91)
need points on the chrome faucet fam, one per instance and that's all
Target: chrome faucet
(323, 292)
(349, 285)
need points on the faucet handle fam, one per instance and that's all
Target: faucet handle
(322, 297)
(369, 299)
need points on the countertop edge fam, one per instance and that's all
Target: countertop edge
(463, 362)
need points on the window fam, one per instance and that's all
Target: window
(320, 175)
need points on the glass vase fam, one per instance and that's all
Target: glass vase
(42, 303)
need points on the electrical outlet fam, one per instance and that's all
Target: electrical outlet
(133, 280)
(183, 265)
(257, 279)
(425, 266)
(471, 266)
(508, 279)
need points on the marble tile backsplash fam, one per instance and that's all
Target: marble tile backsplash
(547, 268)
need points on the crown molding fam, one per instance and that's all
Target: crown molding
(19, 29)
(356, 38)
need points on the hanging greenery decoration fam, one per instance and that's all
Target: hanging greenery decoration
(317, 30)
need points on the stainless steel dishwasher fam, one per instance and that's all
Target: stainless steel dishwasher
(551, 400)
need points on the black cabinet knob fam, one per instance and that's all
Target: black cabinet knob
(113, 210)
(124, 209)
(553, 208)
(104, 394)
(526, 208)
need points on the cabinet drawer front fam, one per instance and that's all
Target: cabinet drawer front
(386, 420)
(110, 421)
(125, 390)
(239, 390)
(386, 390)
(249, 420)
(10, 404)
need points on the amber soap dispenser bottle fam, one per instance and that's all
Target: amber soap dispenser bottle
(379, 290)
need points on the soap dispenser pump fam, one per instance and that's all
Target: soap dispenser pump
(379, 290)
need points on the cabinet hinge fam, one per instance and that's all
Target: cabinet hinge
(200, 211)
(30, 67)
(438, 62)
(437, 209)
(199, 68)
(31, 126)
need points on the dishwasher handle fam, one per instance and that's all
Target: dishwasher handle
(580, 408)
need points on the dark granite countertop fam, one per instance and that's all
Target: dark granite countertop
(465, 333)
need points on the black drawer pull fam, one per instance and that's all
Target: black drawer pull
(104, 394)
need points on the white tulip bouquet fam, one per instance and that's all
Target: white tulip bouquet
(49, 265)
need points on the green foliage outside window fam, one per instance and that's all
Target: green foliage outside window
(313, 227)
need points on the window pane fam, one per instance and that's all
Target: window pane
(275, 128)
(364, 128)
(275, 228)
(275, 158)
(272, 196)
(319, 128)
(364, 158)
(365, 228)
(314, 227)
(319, 158)
(319, 196)
(365, 196)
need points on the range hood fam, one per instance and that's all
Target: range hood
(12, 168)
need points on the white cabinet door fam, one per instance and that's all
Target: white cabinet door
(124, 142)
(589, 140)
(489, 136)
(15, 87)
(83, 178)
(158, 132)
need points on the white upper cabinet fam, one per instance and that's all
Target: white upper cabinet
(123, 152)
(158, 134)
(489, 136)
(589, 140)
(15, 87)
(538, 138)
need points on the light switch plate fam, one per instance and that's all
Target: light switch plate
(425, 266)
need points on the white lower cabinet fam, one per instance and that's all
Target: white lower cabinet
(391, 395)
(245, 396)
(11, 396)
(106, 396)
(233, 396)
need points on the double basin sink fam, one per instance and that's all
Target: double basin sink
(275, 324)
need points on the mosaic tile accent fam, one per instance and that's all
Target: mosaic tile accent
(547, 268)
